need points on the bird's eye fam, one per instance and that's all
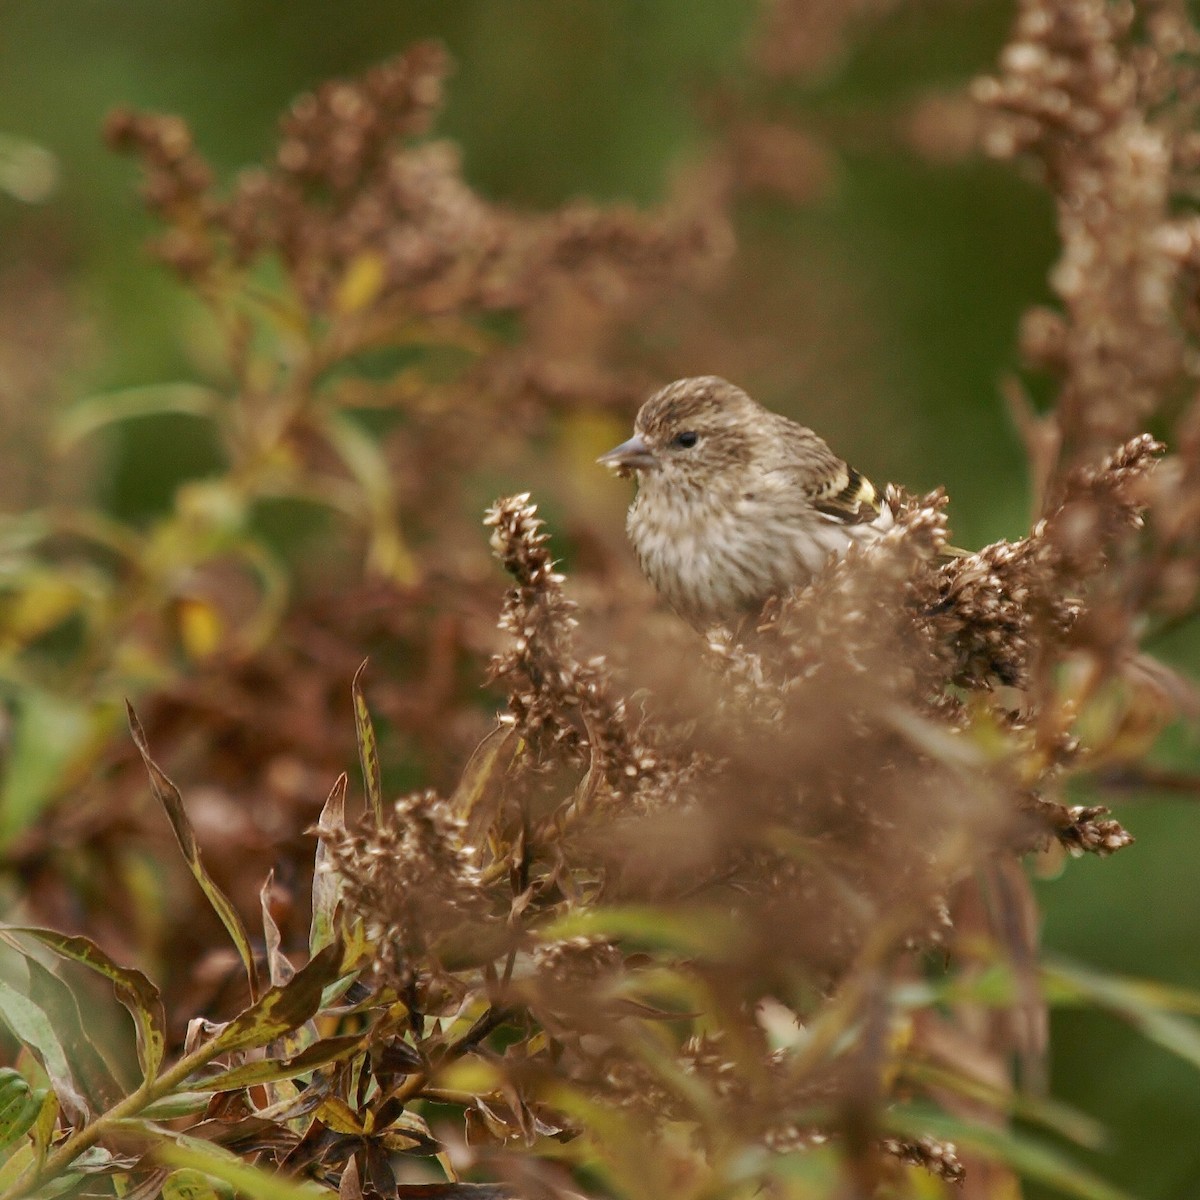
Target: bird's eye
(685, 440)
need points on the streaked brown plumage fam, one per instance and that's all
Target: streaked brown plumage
(736, 503)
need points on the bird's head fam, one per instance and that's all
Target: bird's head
(692, 430)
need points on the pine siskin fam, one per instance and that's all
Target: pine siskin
(736, 503)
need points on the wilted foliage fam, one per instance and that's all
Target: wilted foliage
(385, 333)
(730, 914)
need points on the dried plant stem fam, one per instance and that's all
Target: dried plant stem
(415, 1086)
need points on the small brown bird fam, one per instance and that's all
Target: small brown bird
(736, 503)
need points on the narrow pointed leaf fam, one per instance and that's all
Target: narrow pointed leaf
(94, 412)
(44, 1127)
(181, 1104)
(453, 1191)
(1027, 1156)
(326, 887)
(281, 970)
(337, 1115)
(1073, 983)
(281, 1009)
(368, 748)
(47, 737)
(388, 554)
(483, 774)
(272, 1070)
(133, 989)
(168, 796)
(20, 1162)
(252, 1182)
(1149, 1007)
(698, 931)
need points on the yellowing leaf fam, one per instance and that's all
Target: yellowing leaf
(388, 555)
(45, 600)
(474, 797)
(339, 1116)
(368, 747)
(281, 1009)
(190, 1184)
(472, 1075)
(272, 1070)
(361, 283)
(201, 627)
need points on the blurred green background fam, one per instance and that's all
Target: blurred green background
(887, 306)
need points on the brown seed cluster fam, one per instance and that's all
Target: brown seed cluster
(938, 1158)
(773, 840)
(555, 699)
(826, 783)
(365, 215)
(411, 880)
(1079, 91)
(1000, 602)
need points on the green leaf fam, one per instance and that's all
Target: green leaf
(326, 887)
(368, 748)
(190, 1184)
(388, 555)
(709, 932)
(181, 1104)
(1149, 1007)
(252, 1182)
(19, 1106)
(96, 1076)
(48, 734)
(272, 1070)
(133, 989)
(1028, 1157)
(1045, 1111)
(19, 1164)
(814, 1171)
(172, 802)
(30, 1025)
(281, 1009)
(109, 408)
(1071, 983)
(453, 1191)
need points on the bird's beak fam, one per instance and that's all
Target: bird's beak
(633, 455)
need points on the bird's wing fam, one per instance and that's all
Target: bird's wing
(799, 461)
(847, 497)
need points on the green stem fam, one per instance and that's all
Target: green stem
(57, 1162)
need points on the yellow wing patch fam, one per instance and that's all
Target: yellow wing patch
(848, 497)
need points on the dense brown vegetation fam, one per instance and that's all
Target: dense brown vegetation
(666, 915)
